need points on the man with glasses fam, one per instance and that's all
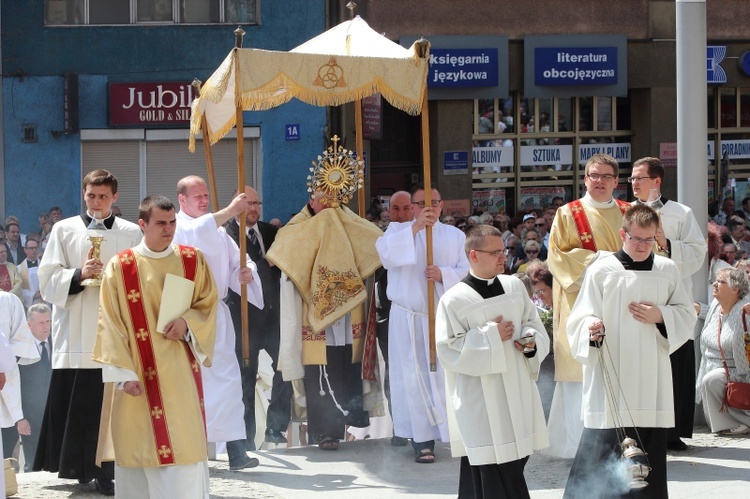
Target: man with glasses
(540, 224)
(418, 395)
(28, 271)
(478, 324)
(263, 326)
(581, 229)
(632, 312)
(679, 238)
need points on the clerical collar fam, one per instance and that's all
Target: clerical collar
(662, 198)
(142, 249)
(109, 222)
(597, 204)
(630, 264)
(486, 288)
(488, 282)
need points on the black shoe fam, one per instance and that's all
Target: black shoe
(105, 487)
(242, 462)
(275, 437)
(399, 441)
(84, 481)
(677, 445)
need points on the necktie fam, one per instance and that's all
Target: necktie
(43, 353)
(254, 241)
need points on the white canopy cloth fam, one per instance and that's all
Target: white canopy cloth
(348, 62)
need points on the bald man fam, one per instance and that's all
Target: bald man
(263, 326)
(198, 227)
(400, 210)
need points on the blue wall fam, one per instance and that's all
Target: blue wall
(47, 173)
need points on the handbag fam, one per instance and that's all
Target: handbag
(737, 394)
(11, 484)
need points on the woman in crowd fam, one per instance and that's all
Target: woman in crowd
(744, 266)
(531, 250)
(541, 280)
(730, 290)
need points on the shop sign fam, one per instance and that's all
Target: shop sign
(160, 103)
(619, 151)
(546, 155)
(492, 157)
(455, 162)
(734, 149)
(714, 72)
(575, 66)
(743, 62)
(463, 67)
(372, 117)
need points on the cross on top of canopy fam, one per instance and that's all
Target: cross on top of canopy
(348, 62)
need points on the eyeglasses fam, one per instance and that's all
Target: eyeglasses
(496, 253)
(540, 225)
(532, 252)
(254, 203)
(633, 180)
(434, 203)
(596, 177)
(638, 240)
(510, 248)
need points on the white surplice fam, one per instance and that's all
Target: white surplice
(7, 362)
(495, 413)
(15, 330)
(74, 317)
(222, 383)
(635, 353)
(417, 395)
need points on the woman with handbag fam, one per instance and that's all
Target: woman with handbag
(723, 355)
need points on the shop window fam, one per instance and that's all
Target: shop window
(515, 168)
(98, 12)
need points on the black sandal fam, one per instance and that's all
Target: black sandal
(327, 443)
(424, 456)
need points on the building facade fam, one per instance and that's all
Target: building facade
(518, 140)
(106, 84)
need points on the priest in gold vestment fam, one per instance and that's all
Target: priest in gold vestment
(579, 231)
(157, 421)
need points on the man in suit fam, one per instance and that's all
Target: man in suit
(263, 326)
(35, 380)
(14, 244)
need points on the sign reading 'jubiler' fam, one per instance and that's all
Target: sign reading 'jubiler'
(575, 66)
(470, 67)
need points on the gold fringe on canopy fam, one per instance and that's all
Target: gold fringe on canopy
(347, 63)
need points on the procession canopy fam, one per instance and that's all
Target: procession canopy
(346, 63)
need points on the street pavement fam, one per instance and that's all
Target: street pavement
(713, 466)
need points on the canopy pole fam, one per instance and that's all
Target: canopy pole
(207, 150)
(239, 33)
(428, 230)
(360, 153)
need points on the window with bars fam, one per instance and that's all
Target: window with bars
(119, 12)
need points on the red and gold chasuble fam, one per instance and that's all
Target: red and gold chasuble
(585, 234)
(5, 282)
(149, 366)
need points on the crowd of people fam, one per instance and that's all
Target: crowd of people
(115, 384)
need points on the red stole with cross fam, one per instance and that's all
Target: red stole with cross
(585, 234)
(145, 349)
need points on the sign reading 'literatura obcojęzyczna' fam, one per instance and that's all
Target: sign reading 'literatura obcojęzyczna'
(575, 65)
